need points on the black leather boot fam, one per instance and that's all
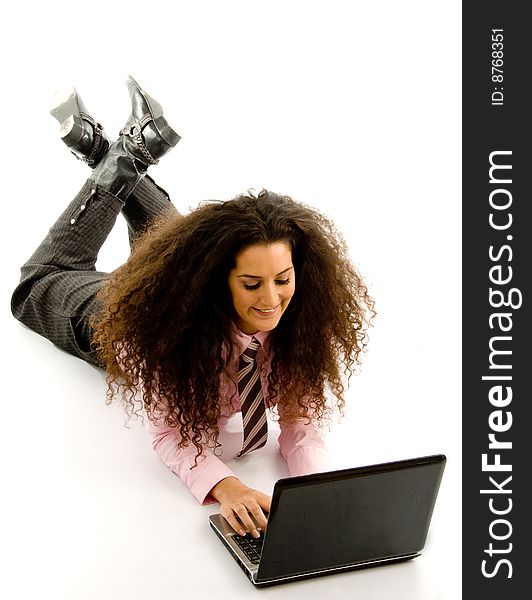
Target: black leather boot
(80, 132)
(145, 137)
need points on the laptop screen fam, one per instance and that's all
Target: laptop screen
(330, 520)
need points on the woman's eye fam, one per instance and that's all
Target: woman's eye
(255, 286)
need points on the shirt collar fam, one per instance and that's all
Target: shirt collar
(243, 340)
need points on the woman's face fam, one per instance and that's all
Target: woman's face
(262, 285)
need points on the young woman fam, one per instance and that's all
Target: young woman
(240, 306)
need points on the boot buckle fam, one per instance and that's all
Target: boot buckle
(135, 133)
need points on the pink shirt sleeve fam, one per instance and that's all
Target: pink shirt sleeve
(200, 479)
(303, 448)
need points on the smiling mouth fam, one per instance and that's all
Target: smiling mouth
(267, 312)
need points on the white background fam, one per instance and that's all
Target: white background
(352, 107)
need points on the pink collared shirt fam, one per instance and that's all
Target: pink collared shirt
(300, 443)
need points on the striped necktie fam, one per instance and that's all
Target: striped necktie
(251, 400)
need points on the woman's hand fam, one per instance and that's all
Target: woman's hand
(242, 506)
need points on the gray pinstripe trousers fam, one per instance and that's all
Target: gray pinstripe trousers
(57, 292)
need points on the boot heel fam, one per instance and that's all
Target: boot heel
(78, 130)
(67, 110)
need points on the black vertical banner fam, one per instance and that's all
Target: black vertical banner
(497, 298)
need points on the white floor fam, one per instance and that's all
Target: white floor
(351, 107)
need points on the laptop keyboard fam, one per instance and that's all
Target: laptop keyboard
(252, 547)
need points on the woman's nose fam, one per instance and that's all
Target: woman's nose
(269, 296)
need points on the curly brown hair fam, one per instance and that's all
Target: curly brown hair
(166, 319)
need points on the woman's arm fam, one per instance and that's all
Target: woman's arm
(200, 479)
(211, 480)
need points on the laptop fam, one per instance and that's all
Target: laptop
(335, 521)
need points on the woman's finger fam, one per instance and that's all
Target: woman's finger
(245, 518)
(259, 517)
(231, 518)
